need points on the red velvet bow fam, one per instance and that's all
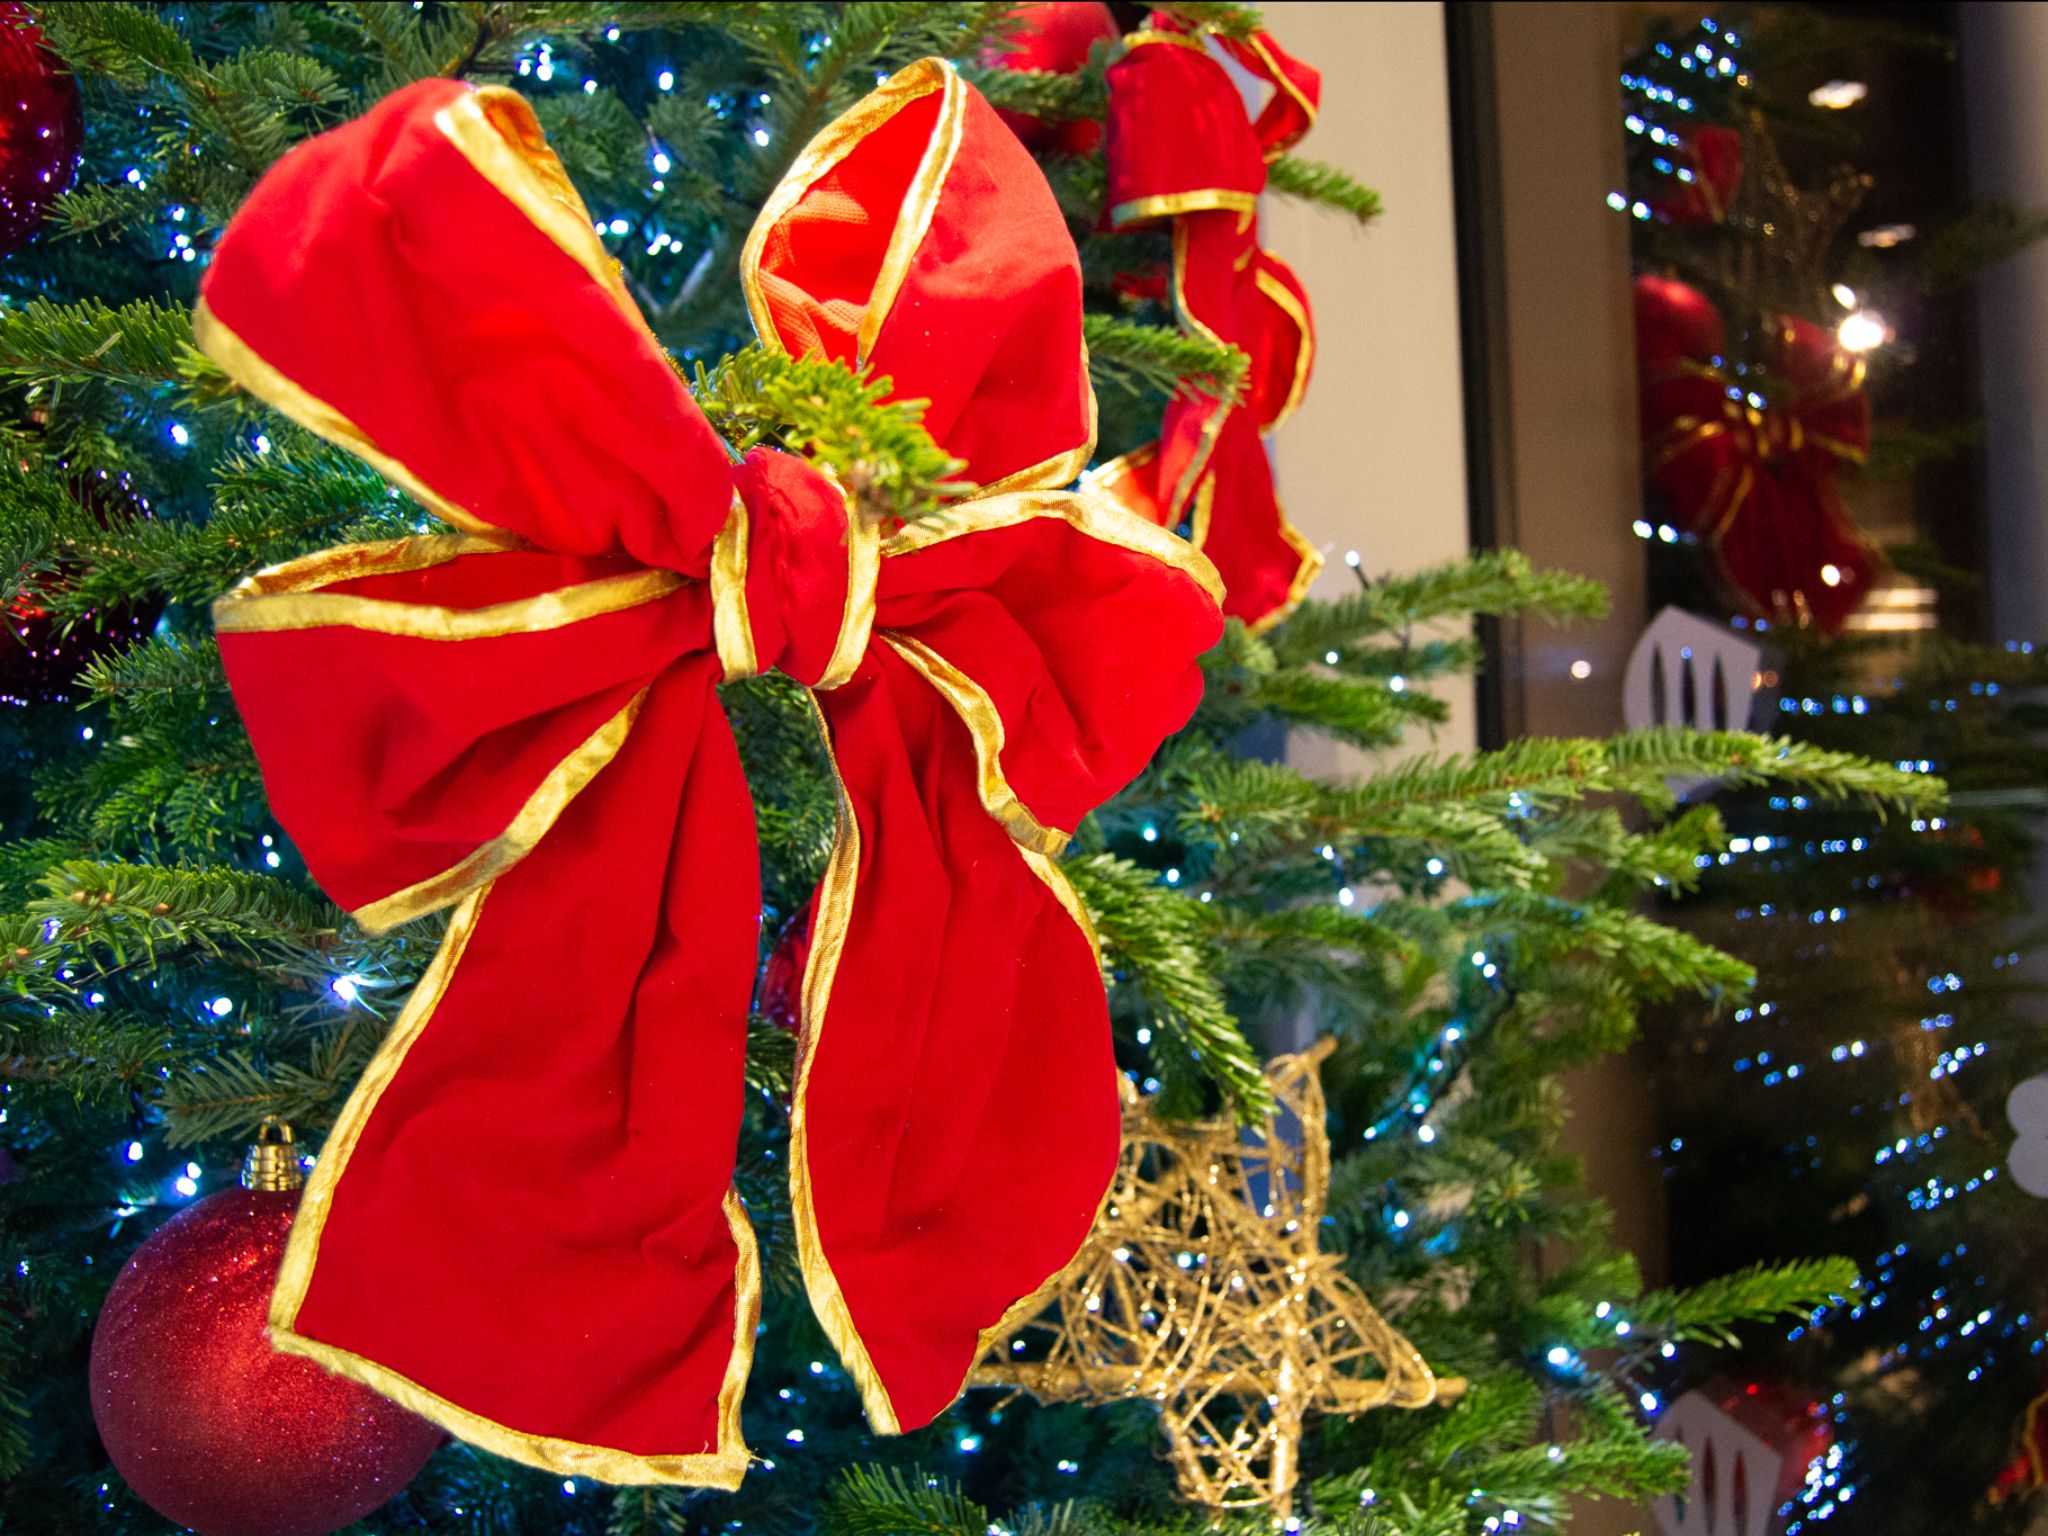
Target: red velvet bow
(1182, 146)
(522, 1226)
(1755, 478)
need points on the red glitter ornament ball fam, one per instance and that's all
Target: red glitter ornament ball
(781, 996)
(1675, 324)
(209, 1425)
(42, 127)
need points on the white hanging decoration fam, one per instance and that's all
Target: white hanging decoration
(1751, 1458)
(1687, 671)
(2027, 1108)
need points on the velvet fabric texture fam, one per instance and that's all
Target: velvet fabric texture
(1182, 147)
(523, 1226)
(1758, 484)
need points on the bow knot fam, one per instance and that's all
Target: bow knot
(793, 575)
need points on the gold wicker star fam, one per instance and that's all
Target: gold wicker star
(1201, 1289)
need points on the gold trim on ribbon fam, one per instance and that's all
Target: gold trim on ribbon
(422, 621)
(984, 722)
(831, 916)
(1092, 516)
(1167, 205)
(352, 562)
(495, 130)
(1304, 574)
(721, 1468)
(242, 363)
(857, 620)
(1205, 508)
(1146, 36)
(1105, 477)
(914, 214)
(732, 629)
(1304, 351)
(1184, 311)
(564, 782)
(1187, 489)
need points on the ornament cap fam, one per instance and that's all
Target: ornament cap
(273, 1160)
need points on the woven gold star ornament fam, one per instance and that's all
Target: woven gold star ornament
(1201, 1288)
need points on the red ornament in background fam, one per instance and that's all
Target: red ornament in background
(210, 1426)
(39, 664)
(1714, 157)
(1053, 38)
(1749, 464)
(1675, 322)
(42, 127)
(781, 995)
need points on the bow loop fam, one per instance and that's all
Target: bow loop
(442, 288)
(915, 238)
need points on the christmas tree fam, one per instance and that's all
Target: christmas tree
(1856, 1103)
(1460, 928)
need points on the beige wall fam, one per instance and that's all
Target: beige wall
(1374, 460)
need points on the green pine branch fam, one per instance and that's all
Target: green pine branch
(1135, 358)
(1655, 960)
(144, 345)
(1761, 1293)
(1496, 582)
(889, 1501)
(1325, 185)
(877, 447)
(1156, 949)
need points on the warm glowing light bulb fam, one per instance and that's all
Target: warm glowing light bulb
(1837, 94)
(1862, 331)
(1845, 296)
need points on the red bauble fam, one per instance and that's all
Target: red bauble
(1675, 323)
(1053, 38)
(782, 978)
(42, 127)
(1714, 156)
(40, 666)
(207, 1423)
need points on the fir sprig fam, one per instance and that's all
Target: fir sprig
(1325, 185)
(877, 446)
(1125, 355)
